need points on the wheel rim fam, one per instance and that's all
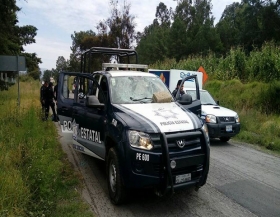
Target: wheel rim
(113, 176)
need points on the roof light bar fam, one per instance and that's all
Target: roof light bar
(123, 66)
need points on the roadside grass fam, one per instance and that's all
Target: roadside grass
(260, 129)
(36, 178)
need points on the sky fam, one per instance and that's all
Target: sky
(56, 20)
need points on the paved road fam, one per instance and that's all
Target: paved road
(242, 182)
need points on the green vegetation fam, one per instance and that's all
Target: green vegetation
(261, 65)
(36, 178)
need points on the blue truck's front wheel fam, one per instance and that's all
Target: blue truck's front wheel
(116, 187)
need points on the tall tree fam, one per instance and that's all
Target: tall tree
(199, 34)
(14, 37)
(153, 45)
(153, 42)
(9, 41)
(53, 73)
(80, 43)
(61, 64)
(184, 12)
(178, 40)
(227, 27)
(250, 24)
(47, 74)
(163, 14)
(120, 27)
(78, 38)
(27, 34)
(32, 63)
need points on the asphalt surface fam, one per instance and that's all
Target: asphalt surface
(242, 181)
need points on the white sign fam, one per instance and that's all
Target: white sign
(176, 75)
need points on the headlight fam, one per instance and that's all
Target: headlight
(210, 119)
(205, 129)
(140, 140)
(237, 120)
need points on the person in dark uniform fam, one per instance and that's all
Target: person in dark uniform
(55, 97)
(55, 91)
(43, 96)
(182, 92)
(50, 102)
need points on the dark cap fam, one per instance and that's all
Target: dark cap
(179, 82)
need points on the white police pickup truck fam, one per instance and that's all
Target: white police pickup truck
(129, 119)
(222, 122)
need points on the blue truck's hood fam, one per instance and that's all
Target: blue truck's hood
(157, 117)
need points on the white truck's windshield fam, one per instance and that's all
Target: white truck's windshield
(135, 89)
(205, 97)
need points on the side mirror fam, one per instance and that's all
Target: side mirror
(186, 99)
(93, 102)
(218, 102)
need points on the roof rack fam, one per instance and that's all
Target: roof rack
(120, 54)
(123, 66)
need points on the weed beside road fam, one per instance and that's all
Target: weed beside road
(36, 178)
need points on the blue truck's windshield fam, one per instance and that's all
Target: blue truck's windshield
(135, 89)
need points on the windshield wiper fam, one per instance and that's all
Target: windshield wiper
(133, 99)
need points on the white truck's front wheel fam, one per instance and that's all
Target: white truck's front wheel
(224, 139)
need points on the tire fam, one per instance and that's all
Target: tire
(115, 184)
(224, 139)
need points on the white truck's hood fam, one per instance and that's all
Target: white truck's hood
(218, 111)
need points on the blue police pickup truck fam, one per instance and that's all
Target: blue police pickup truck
(128, 118)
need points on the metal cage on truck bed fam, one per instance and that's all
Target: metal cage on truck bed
(121, 55)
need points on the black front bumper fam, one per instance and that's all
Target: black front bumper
(150, 175)
(157, 172)
(220, 129)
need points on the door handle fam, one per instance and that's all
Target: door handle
(65, 108)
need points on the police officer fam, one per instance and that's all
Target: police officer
(55, 97)
(182, 92)
(55, 91)
(43, 96)
(50, 102)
